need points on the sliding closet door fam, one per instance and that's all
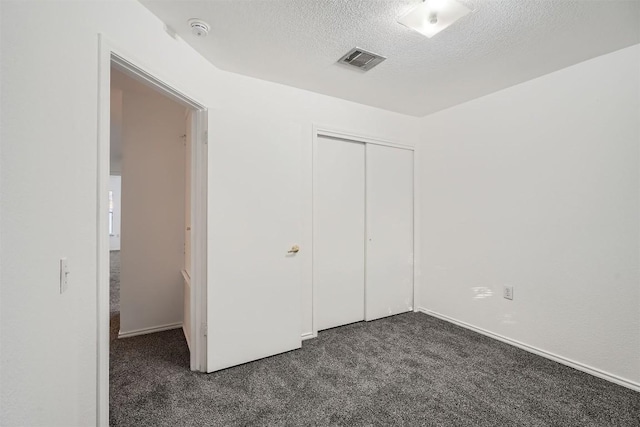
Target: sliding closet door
(339, 227)
(389, 258)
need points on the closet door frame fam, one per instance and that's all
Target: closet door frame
(325, 131)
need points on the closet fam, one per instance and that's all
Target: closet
(363, 231)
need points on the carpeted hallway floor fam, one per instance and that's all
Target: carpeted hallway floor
(114, 294)
(410, 369)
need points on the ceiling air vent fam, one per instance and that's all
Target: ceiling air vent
(361, 59)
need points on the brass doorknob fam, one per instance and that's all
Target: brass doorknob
(294, 249)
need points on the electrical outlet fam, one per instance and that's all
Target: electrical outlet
(64, 275)
(507, 292)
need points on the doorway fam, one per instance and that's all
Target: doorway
(193, 227)
(148, 154)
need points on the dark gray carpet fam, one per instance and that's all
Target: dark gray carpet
(410, 369)
(114, 294)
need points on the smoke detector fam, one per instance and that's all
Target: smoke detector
(199, 28)
(361, 59)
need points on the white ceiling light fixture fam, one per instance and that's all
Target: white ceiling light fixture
(432, 16)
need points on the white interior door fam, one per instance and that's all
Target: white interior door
(186, 319)
(187, 193)
(389, 258)
(255, 217)
(339, 232)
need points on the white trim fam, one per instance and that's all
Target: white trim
(365, 246)
(551, 356)
(108, 56)
(121, 63)
(314, 229)
(149, 330)
(307, 228)
(199, 233)
(350, 136)
(417, 248)
(309, 335)
(102, 251)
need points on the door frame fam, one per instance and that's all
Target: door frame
(109, 55)
(330, 132)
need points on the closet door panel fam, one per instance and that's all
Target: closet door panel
(339, 227)
(389, 217)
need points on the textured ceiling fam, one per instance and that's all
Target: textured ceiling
(502, 43)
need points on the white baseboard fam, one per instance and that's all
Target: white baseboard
(563, 360)
(150, 330)
(309, 335)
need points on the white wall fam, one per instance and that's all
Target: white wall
(115, 132)
(153, 194)
(115, 184)
(537, 187)
(50, 378)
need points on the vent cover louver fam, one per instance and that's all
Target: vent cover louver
(361, 59)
